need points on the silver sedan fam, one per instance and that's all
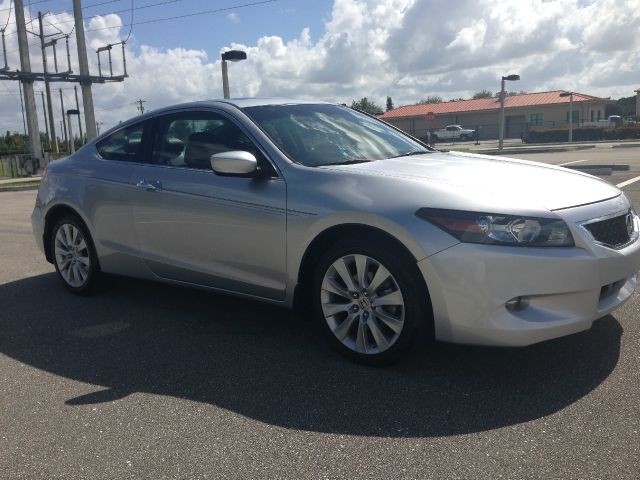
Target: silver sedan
(375, 235)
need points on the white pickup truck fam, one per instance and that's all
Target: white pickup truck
(453, 132)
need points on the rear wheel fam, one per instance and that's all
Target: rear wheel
(368, 302)
(74, 255)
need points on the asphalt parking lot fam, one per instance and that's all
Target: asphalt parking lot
(151, 381)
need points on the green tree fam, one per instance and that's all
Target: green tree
(367, 106)
(625, 107)
(389, 104)
(612, 109)
(483, 94)
(13, 143)
(431, 99)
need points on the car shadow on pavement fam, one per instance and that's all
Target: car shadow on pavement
(262, 362)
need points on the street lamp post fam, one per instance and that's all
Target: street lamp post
(570, 95)
(72, 145)
(230, 56)
(509, 78)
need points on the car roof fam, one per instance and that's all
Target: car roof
(237, 102)
(242, 102)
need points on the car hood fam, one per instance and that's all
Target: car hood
(547, 186)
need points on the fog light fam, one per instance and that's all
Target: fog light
(517, 304)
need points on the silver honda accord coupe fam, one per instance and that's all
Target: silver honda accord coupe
(377, 236)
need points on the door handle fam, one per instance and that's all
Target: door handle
(149, 186)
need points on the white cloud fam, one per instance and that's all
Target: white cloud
(233, 18)
(407, 49)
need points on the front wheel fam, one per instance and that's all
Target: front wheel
(368, 302)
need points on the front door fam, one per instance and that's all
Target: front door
(197, 227)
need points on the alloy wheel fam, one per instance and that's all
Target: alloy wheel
(72, 255)
(362, 304)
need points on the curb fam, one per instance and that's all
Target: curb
(620, 167)
(18, 189)
(522, 150)
(632, 145)
(11, 181)
(595, 170)
(539, 150)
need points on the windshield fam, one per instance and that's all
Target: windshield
(316, 135)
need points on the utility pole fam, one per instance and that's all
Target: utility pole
(47, 88)
(29, 97)
(75, 90)
(72, 142)
(24, 125)
(64, 121)
(140, 107)
(44, 113)
(87, 98)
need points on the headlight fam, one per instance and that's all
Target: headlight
(499, 229)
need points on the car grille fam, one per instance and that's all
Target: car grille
(612, 232)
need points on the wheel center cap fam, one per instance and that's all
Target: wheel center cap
(365, 303)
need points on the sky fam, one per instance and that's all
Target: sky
(339, 50)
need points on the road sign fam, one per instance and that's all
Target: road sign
(431, 117)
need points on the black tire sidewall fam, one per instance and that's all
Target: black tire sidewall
(412, 287)
(89, 285)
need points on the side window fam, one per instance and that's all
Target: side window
(189, 139)
(124, 145)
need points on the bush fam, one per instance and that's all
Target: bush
(583, 134)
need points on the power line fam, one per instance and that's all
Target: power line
(112, 108)
(8, 17)
(32, 3)
(129, 34)
(187, 15)
(176, 17)
(157, 4)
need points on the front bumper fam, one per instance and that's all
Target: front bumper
(567, 289)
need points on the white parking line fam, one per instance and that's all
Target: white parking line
(628, 182)
(569, 163)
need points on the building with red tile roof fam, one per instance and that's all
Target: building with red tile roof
(522, 112)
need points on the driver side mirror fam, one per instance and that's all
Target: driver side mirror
(235, 162)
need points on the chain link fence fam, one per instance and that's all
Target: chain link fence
(25, 164)
(514, 129)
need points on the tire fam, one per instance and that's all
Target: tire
(74, 255)
(463, 138)
(369, 321)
